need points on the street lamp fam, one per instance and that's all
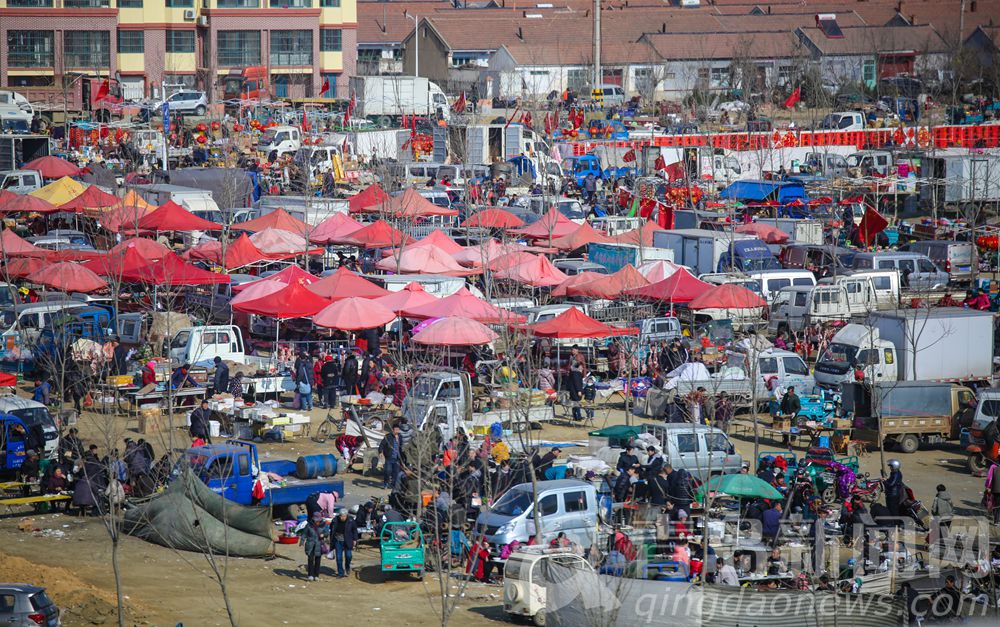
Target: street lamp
(416, 42)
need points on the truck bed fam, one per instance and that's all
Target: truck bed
(298, 490)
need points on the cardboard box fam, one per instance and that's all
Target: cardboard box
(151, 421)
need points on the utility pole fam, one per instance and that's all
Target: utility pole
(597, 45)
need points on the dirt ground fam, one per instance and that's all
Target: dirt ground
(72, 557)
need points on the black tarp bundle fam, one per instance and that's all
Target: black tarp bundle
(189, 516)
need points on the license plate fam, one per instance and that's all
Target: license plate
(964, 268)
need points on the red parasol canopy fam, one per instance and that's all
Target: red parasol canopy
(770, 234)
(413, 295)
(455, 331)
(727, 296)
(515, 257)
(345, 284)
(852, 200)
(53, 167)
(581, 237)
(334, 229)
(5, 196)
(124, 219)
(23, 266)
(68, 277)
(28, 204)
(92, 198)
(379, 234)
(171, 270)
(577, 279)
(573, 323)
(539, 272)
(149, 249)
(642, 236)
(172, 217)
(282, 244)
(277, 219)
(410, 204)
(657, 269)
(292, 301)
(290, 274)
(354, 314)
(550, 226)
(438, 239)
(13, 245)
(680, 287)
(423, 260)
(370, 196)
(611, 286)
(483, 253)
(239, 253)
(494, 218)
(70, 254)
(463, 303)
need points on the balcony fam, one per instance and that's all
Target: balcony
(58, 4)
(379, 67)
(30, 4)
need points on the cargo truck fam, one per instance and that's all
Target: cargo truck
(706, 251)
(614, 257)
(391, 97)
(945, 344)
(78, 96)
(961, 178)
(16, 150)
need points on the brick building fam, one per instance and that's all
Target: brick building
(151, 43)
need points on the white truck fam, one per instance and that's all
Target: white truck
(280, 140)
(844, 121)
(614, 257)
(961, 178)
(492, 143)
(201, 345)
(946, 344)
(443, 399)
(396, 96)
(840, 298)
(21, 181)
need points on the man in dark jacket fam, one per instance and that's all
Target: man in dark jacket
(627, 459)
(790, 404)
(350, 375)
(304, 380)
(658, 489)
(329, 374)
(391, 449)
(654, 464)
(894, 487)
(220, 381)
(681, 493)
(119, 359)
(544, 462)
(343, 535)
(771, 522)
(200, 418)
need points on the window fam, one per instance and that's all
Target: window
(86, 4)
(30, 48)
(794, 365)
(291, 47)
(87, 48)
(828, 297)
(575, 501)
(926, 266)
(768, 365)
(180, 41)
(29, 4)
(906, 266)
(333, 4)
(238, 47)
(777, 284)
(803, 281)
(238, 4)
(330, 40)
(6, 603)
(687, 443)
(548, 505)
(800, 298)
(720, 77)
(291, 4)
(784, 74)
(129, 4)
(717, 443)
(577, 79)
(868, 71)
(244, 465)
(180, 4)
(130, 41)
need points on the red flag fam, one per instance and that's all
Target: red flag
(675, 171)
(305, 122)
(527, 121)
(459, 106)
(629, 156)
(350, 109)
(660, 163)
(794, 98)
(646, 206)
(325, 88)
(549, 124)
(103, 90)
(871, 225)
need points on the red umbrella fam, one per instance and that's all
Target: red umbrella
(346, 284)
(413, 295)
(581, 237)
(291, 274)
(573, 323)
(76, 255)
(494, 218)
(564, 288)
(28, 204)
(770, 234)
(423, 260)
(642, 236)
(354, 314)
(822, 200)
(172, 217)
(334, 229)
(293, 301)
(53, 167)
(5, 196)
(680, 287)
(277, 219)
(410, 204)
(378, 234)
(796, 203)
(550, 226)
(727, 296)
(13, 245)
(67, 276)
(149, 249)
(92, 198)
(455, 331)
(611, 286)
(853, 200)
(539, 272)
(464, 304)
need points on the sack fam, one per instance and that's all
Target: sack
(305, 388)
(323, 548)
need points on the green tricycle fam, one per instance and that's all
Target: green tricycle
(401, 548)
(815, 465)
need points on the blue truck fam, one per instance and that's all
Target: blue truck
(14, 437)
(231, 469)
(584, 165)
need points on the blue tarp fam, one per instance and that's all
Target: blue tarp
(759, 191)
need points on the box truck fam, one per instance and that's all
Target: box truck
(396, 96)
(706, 251)
(946, 344)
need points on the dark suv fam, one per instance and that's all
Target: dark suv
(24, 605)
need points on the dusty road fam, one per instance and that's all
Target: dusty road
(72, 556)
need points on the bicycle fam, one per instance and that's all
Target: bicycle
(328, 428)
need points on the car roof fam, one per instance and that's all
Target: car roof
(10, 402)
(21, 587)
(557, 484)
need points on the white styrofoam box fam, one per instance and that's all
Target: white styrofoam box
(292, 428)
(213, 428)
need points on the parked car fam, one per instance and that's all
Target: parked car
(25, 605)
(188, 101)
(956, 258)
(916, 271)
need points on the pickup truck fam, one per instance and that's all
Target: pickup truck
(14, 437)
(444, 398)
(230, 469)
(20, 181)
(201, 345)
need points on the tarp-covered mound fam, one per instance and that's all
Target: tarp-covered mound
(191, 517)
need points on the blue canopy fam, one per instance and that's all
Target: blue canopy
(758, 191)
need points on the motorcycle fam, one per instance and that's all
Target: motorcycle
(981, 455)
(915, 510)
(870, 490)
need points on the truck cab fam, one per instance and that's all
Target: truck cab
(35, 416)
(653, 330)
(844, 121)
(20, 181)
(868, 162)
(249, 83)
(192, 345)
(827, 164)
(13, 444)
(440, 400)
(800, 306)
(750, 255)
(280, 140)
(856, 345)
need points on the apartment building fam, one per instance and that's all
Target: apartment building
(151, 43)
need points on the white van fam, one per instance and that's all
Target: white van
(34, 415)
(773, 281)
(30, 319)
(280, 140)
(524, 579)
(614, 95)
(701, 450)
(564, 506)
